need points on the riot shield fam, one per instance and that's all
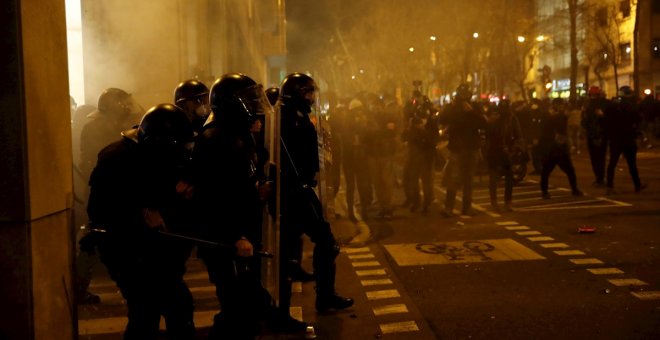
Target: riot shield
(271, 212)
(323, 191)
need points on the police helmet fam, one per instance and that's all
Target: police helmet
(237, 99)
(294, 90)
(165, 125)
(113, 101)
(594, 91)
(272, 93)
(190, 90)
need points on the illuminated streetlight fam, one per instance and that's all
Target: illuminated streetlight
(521, 39)
(353, 77)
(361, 71)
(432, 37)
(541, 38)
(628, 50)
(475, 35)
(647, 92)
(548, 85)
(412, 49)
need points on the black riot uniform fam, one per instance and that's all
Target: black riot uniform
(226, 191)
(132, 196)
(300, 207)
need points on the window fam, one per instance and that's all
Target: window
(624, 8)
(625, 53)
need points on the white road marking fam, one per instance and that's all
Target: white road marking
(623, 204)
(383, 294)
(390, 309)
(399, 327)
(554, 245)
(586, 261)
(522, 227)
(366, 264)
(355, 250)
(561, 204)
(116, 325)
(568, 252)
(361, 256)
(540, 238)
(648, 295)
(605, 271)
(627, 282)
(507, 223)
(376, 282)
(528, 233)
(371, 272)
(568, 207)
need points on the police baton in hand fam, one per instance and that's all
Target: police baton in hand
(210, 243)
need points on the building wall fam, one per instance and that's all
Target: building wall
(147, 48)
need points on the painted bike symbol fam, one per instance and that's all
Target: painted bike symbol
(453, 253)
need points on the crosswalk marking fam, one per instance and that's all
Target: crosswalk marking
(648, 295)
(390, 309)
(522, 227)
(627, 282)
(117, 324)
(383, 294)
(361, 256)
(371, 272)
(605, 271)
(540, 238)
(356, 250)
(554, 245)
(528, 233)
(507, 223)
(366, 264)
(568, 252)
(586, 261)
(376, 282)
(399, 327)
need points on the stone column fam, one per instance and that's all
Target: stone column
(36, 244)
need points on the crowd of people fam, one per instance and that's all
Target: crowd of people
(380, 146)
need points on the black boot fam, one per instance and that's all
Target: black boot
(329, 302)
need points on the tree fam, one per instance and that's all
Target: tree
(573, 13)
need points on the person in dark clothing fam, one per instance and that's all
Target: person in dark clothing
(503, 139)
(593, 122)
(227, 192)
(422, 136)
(383, 146)
(554, 147)
(133, 196)
(464, 121)
(622, 128)
(355, 146)
(301, 210)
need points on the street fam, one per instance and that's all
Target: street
(519, 275)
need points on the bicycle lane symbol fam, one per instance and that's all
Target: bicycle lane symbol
(454, 253)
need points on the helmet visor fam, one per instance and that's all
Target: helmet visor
(254, 101)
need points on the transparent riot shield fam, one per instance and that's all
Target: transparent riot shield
(271, 211)
(323, 191)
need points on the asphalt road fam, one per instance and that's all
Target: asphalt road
(530, 274)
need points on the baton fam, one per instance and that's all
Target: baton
(211, 243)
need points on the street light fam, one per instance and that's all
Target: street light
(521, 39)
(475, 35)
(541, 38)
(412, 49)
(432, 37)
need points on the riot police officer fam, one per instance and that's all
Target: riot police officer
(300, 207)
(227, 193)
(593, 122)
(133, 196)
(192, 96)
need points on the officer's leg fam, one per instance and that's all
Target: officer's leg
(452, 179)
(178, 310)
(630, 153)
(615, 153)
(427, 181)
(566, 165)
(547, 167)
